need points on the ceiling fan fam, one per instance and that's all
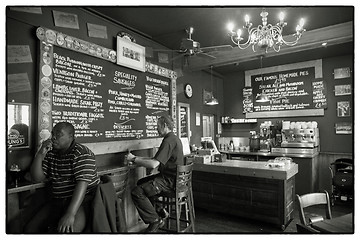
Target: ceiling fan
(189, 48)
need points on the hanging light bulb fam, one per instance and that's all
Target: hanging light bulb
(212, 100)
(262, 97)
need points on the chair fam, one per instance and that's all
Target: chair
(313, 199)
(179, 203)
(342, 179)
(301, 228)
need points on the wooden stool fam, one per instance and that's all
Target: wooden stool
(179, 204)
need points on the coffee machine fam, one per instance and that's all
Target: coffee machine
(299, 137)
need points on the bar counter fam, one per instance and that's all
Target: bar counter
(247, 189)
(308, 165)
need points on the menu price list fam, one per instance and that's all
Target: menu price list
(289, 90)
(107, 102)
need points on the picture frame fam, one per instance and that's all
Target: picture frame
(342, 90)
(343, 109)
(340, 73)
(130, 54)
(343, 128)
(65, 20)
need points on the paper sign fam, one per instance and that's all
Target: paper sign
(97, 31)
(18, 54)
(18, 82)
(66, 20)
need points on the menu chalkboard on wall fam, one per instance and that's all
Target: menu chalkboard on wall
(105, 102)
(291, 89)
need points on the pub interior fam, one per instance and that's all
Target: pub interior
(265, 117)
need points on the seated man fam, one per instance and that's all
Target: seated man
(168, 157)
(71, 169)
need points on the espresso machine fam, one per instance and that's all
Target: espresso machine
(299, 137)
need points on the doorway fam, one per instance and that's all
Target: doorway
(208, 126)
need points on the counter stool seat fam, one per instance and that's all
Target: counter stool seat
(179, 203)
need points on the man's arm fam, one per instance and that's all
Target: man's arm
(143, 161)
(66, 223)
(36, 171)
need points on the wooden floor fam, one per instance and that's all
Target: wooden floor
(208, 222)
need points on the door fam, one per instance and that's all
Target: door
(208, 126)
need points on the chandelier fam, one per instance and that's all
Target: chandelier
(266, 35)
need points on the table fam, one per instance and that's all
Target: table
(342, 224)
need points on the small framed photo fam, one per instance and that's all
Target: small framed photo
(343, 109)
(341, 73)
(130, 54)
(342, 90)
(65, 20)
(343, 128)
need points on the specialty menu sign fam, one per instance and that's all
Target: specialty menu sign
(104, 101)
(295, 89)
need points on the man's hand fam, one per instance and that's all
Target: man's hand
(66, 223)
(46, 146)
(130, 158)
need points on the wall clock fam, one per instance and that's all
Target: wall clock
(188, 90)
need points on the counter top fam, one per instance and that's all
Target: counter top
(270, 154)
(249, 168)
(29, 186)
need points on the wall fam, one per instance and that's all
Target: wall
(21, 30)
(329, 141)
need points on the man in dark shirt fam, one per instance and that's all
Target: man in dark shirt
(167, 158)
(71, 169)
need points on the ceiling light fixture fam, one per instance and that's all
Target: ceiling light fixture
(262, 97)
(266, 35)
(212, 100)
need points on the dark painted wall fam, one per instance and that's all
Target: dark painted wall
(329, 141)
(21, 30)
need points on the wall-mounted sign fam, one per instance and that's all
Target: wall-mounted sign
(130, 54)
(290, 89)
(343, 128)
(341, 73)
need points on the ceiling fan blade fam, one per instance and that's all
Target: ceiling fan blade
(202, 54)
(165, 50)
(217, 48)
(178, 56)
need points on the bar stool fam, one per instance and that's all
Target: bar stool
(180, 203)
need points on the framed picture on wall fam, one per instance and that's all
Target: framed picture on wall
(340, 73)
(343, 109)
(343, 128)
(130, 54)
(341, 90)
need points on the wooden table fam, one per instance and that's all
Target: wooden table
(343, 224)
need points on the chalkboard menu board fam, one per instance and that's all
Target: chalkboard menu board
(292, 90)
(289, 90)
(184, 118)
(104, 101)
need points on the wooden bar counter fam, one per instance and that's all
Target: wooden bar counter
(246, 188)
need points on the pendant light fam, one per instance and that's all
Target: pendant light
(262, 97)
(212, 100)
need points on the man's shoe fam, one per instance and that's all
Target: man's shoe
(153, 227)
(163, 213)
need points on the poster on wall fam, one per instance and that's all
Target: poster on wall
(340, 73)
(343, 109)
(342, 90)
(65, 20)
(130, 54)
(343, 128)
